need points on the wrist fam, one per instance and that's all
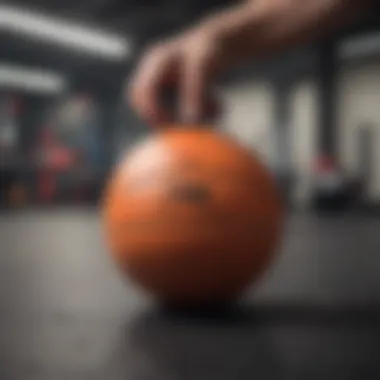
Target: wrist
(261, 27)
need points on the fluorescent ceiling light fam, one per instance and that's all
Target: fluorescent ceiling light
(49, 29)
(31, 80)
(360, 46)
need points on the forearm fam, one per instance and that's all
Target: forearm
(260, 27)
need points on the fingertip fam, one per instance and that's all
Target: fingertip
(143, 99)
(144, 90)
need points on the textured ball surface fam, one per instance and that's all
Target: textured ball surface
(192, 216)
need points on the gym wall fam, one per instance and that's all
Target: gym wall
(359, 107)
(249, 116)
(303, 129)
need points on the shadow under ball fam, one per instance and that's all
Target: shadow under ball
(192, 216)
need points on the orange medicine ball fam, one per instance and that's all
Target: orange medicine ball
(192, 216)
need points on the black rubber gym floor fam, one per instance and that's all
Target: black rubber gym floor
(67, 314)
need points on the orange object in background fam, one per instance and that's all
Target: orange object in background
(61, 159)
(192, 216)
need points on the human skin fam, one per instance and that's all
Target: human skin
(190, 62)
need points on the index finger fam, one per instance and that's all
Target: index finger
(147, 85)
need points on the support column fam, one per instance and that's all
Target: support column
(327, 70)
(282, 157)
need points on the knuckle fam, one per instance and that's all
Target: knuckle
(160, 51)
(202, 46)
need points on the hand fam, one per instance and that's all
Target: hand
(190, 62)
(186, 65)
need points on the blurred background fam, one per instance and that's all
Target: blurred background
(312, 113)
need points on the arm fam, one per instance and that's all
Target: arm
(256, 28)
(261, 27)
